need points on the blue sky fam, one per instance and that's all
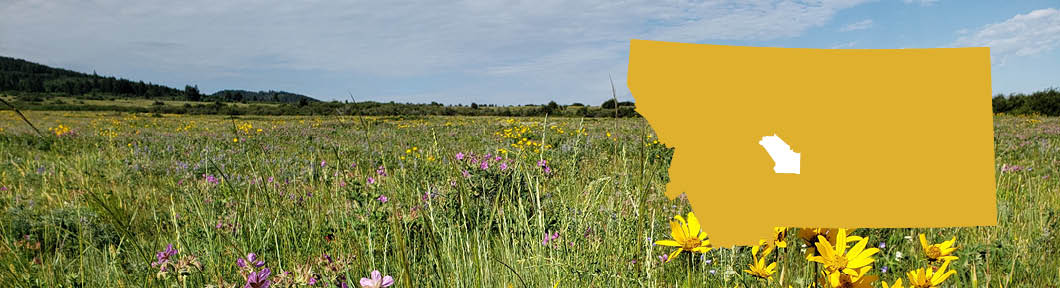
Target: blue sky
(513, 52)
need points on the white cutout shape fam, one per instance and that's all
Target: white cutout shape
(785, 161)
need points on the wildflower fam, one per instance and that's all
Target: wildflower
(465, 173)
(377, 280)
(259, 279)
(882, 245)
(810, 237)
(1011, 168)
(163, 257)
(549, 238)
(687, 236)
(382, 199)
(460, 156)
(371, 180)
(759, 268)
(858, 280)
(840, 261)
(3, 188)
(780, 237)
(942, 251)
(252, 259)
(381, 171)
(883, 269)
(897, 284)
(504, 166)
(484, 165)
(664, 257)
(928, 277)
(323, 163)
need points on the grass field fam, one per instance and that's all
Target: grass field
(432, 202)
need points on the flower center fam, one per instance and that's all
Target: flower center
(839, 262)
(691, 243)
(934, 252)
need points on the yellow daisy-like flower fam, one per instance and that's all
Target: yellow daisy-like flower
(841, 260)
(928, 277)
(780, 239)
(941, 251)
(811, 235)
(759, 268)
(838, 279)
(897, 284)
(686, 236)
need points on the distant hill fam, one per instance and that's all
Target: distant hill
(19, 76)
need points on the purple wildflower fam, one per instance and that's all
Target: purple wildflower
(163, 257)
(883, 269)
(382, 199)
(3, 188)
(549, 238)
(251, 259)
(504, 166)
(664, 257)
(270, 179)
(323, 163)
(882, 245)
(259, 279)
(460, 156)
(466, 174)
(371, 180)
(381, 171)
(484, 165)
(210, 179)
(377, 280)
(1011, 168)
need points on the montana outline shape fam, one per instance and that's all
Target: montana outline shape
(898, 137)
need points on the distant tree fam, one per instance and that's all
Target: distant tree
(551, 108)
(577, 104)
(609, 104)
(474, 105)
(191, 93)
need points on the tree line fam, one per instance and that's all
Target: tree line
(610, 108)
(1045, 102)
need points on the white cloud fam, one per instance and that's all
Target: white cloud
(844, 45)
(1023, 35)
(921, 2)
(860, 25)
(568, 46)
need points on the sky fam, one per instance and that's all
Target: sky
(493, 52)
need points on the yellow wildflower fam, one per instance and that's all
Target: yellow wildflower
(941, 251)
(687, 236)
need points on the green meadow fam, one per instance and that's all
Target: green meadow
(435, 201)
